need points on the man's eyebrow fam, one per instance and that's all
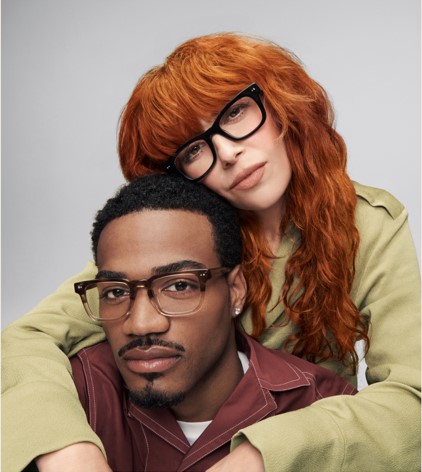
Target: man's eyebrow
(108, 274)
(157, 270)
(177, 266)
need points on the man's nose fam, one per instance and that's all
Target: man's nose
(144, 318)
(228, 151)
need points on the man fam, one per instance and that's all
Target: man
(177, 377)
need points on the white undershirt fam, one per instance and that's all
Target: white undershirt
(192, 430)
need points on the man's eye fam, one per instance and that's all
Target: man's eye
(112, 294)
(180, 287)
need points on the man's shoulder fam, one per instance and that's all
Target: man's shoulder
(97, 353)
(97, 362)
(278, 370)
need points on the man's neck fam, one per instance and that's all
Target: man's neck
(203, 403)
(192, 430)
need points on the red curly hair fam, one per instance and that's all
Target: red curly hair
(193, 84)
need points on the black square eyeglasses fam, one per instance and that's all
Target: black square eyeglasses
(238, 120)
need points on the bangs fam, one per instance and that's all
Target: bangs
(172, 102)
(174, 112)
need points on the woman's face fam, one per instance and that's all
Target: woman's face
(252, 174)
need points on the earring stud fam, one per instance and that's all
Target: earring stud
(237, 311)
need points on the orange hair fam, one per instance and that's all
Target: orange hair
(193, 84)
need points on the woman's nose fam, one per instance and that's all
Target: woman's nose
(228, 151)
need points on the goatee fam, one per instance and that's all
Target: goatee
(150, 398)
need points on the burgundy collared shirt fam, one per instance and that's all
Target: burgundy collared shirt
(139, 439)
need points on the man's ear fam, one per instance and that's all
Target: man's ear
(237, 288)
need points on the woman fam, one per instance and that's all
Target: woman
(328, 262)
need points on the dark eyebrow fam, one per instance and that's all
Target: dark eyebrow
(158, 270)
(108, 274)
(177, 266)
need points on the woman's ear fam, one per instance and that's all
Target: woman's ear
(237, 288)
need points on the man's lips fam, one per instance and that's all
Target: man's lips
(152, 359)
(152, 352)
(248, 177)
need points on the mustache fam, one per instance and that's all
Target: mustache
(147, 341)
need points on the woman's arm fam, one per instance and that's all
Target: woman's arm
(80, 457)
(379, 428)
(41, 411)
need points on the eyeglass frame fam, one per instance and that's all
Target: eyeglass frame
(253, 91)
(203, 276)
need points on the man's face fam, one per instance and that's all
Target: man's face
(188, 361)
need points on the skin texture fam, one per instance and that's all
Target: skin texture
(205, 372)
(263, 147)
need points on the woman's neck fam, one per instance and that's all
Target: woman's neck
(270, 223)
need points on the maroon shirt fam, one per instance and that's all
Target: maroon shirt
(139, 439)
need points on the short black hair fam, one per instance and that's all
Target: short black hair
(173, 192)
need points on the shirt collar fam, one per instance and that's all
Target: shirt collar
(287, 376)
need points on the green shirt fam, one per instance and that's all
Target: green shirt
(376, 430)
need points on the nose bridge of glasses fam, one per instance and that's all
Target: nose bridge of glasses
(141, 305)
(136, 285)
(144, 316)
(211, 132)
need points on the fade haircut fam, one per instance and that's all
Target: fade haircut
(173, 192)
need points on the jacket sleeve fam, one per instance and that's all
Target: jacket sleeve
(379, 428)
(41, 411)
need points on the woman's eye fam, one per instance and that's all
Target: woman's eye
(236, 112)
(192, 152)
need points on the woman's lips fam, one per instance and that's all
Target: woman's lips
(154, 359)
(248, 178)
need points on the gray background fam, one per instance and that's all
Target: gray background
(68, 67)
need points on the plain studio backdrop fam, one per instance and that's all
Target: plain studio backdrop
(69, 66)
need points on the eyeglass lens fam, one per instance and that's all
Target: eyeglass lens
(242, 118)
(172, 294)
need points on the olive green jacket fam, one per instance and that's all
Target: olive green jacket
(376, 430)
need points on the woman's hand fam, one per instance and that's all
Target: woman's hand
(244, 458)
(79, 457)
